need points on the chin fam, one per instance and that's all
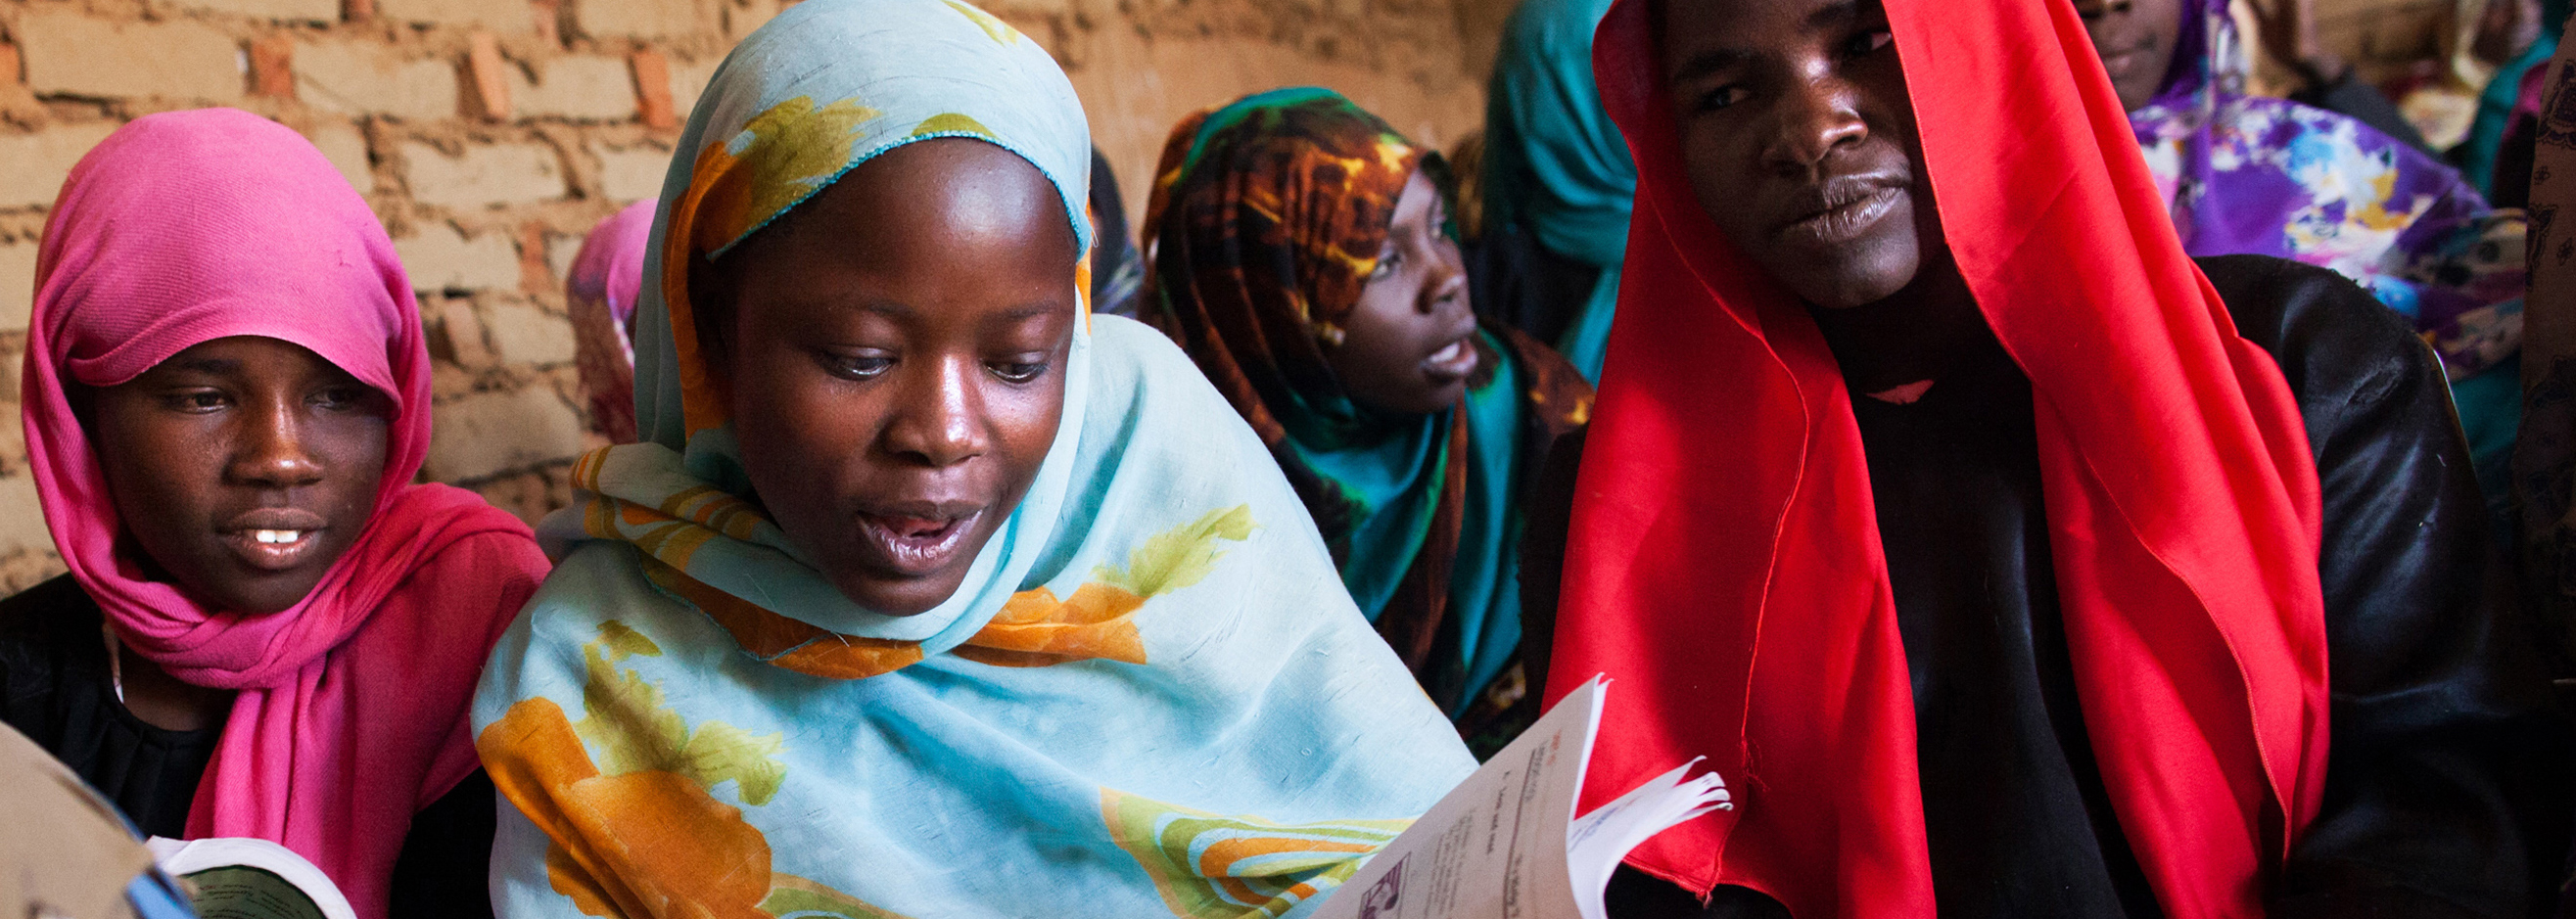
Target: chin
(1867, 274)
(896, 595)
(267, 598)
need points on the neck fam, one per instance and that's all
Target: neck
(165, 701)
(1912, 336)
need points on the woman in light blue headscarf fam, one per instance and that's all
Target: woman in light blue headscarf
(1146, 692)
(1555, 167)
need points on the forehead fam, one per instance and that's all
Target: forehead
(248, 355)
(1733, 30)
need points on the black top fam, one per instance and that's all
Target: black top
(1514, 280)
(2439, 718)
(55, 688)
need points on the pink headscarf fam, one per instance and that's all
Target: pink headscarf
(607, 275)
(351, 714)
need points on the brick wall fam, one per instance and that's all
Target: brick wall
(489, 135)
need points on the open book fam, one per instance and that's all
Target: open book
(1506, 843)
(233, 878)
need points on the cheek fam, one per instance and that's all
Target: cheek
(794, 418)
(1024, 420)
(1717, 178)
(170, 464)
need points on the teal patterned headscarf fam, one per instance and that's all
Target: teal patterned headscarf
(1150, 693)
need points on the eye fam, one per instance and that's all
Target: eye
(1017, 371)
(1868, 41)
(196, 401)
(855, 366)
(339, 398)
(1720, 97)
(1387, 263)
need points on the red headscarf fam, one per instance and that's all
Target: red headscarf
(185, 227)
(1725, 564)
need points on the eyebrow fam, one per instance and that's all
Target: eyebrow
(209, 365)
(1831, 14)
(1027, 311)
(1708, 62)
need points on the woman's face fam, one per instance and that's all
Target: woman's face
(1800, 141)
(2136, 39)
(1409, 344)
(243, 467)
(895, 352)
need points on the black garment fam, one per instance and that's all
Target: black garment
(2439, 719)
(1515, 281)
(2352, 98)
(56, 689)
(1117, 270)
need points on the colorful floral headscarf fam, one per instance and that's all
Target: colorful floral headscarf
(2250, 174)
(1149, 694)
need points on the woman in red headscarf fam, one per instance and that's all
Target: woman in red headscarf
(2006, 560)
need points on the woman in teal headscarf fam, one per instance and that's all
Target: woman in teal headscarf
(926, 592)
(2511, 92)
(1302, 257)
(1556, 169)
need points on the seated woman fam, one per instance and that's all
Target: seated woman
(607, 274)
(1303, 259)
(1556, 182)
(2248, 174)
(268, 630)
(926, 593)
(2008, 561)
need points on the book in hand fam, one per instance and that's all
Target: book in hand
(1506, 843)
(235, 878)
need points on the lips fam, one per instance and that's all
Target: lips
(2120, 65)
(1843, 209)
(918, 538)
(1453, 361)
(274, 538)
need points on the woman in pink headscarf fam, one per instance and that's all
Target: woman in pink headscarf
(268, 630)
(606, 275)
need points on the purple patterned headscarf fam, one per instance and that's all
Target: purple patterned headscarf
(2251, 174)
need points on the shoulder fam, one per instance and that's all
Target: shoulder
(2334, 342)
(44, 629)
(539, 654)
(45, 607)
(1142, 381)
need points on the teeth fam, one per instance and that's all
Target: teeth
(277, 537)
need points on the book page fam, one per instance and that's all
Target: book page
(241, 878)
(1496, 845)
(241, 892)
(1596, 844)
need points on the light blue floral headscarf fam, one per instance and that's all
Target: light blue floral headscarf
(1150, 696)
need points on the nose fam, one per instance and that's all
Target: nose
(939, 421)
(269, 448)
(1447, 284)
(1817, 116)
(2094, 10)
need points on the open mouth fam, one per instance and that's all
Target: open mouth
(274, 538)
(917, 544)
(1454, 361)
